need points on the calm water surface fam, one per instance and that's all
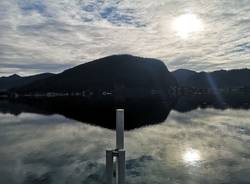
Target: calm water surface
(201, 146)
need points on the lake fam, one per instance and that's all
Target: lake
(201, 146)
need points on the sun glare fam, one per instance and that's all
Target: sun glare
(191, 156)
(187, 24)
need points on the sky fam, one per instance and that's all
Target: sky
(50, 36)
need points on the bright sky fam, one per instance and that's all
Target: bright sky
(50, 36)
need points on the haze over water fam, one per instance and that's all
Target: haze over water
(201, 146)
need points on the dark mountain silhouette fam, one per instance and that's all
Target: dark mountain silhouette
(141, 86)
(117, 71)
(182, 75)
(15, 80)
(219, 79)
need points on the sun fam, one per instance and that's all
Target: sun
(186, 25)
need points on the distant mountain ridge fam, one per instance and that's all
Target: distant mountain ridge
(221, 79)
(15, 81)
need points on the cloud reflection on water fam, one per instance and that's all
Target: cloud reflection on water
(201, 146)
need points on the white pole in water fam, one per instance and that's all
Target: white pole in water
(118, 153)
(109, 166)
(120, 160)
(120, 166)
(119, 129)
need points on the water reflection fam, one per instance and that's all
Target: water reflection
(137, 113)
(201, 146)
(191, 156)
(188, 103)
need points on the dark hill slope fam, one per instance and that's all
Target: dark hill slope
(220, 79)
(105, 73)
(182, 75)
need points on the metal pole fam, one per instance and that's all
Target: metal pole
(118, 153)
(119, 129)
(109, 166)
(121, 167)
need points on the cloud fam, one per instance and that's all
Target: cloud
(72, 32)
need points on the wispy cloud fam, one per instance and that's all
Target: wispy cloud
(37, 34)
